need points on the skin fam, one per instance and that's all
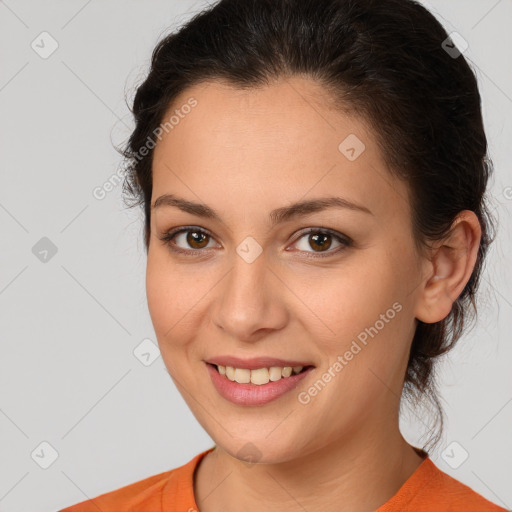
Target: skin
(245, 153)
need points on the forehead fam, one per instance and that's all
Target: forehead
(276, 142)
(297, 109)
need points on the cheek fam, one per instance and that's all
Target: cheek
(362, 312)
(172, 295)
(348, 297)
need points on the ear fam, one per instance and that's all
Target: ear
(449, 268)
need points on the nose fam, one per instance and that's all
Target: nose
(250, 300)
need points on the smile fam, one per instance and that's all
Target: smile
(255, 386)
(259, 376)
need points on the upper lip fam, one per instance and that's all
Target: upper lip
(255, 362)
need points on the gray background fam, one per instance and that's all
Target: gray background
(69, 325)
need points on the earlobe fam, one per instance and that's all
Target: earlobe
(451, 265)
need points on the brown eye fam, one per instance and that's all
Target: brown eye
(321, 241)
(196, 239)
(187, 240)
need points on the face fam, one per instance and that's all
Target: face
(330, 287)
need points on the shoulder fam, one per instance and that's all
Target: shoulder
(129, 496)
(429, 488)
(149, 492)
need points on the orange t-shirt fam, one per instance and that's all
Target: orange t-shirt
(428, 489)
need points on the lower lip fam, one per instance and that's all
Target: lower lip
(252, 394)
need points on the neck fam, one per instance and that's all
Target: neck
(358, 472)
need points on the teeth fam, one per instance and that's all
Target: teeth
(230, 372)
(276, 373)
(260, 376)
(242, 376)
(287, 371)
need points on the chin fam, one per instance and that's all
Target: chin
(260, 449)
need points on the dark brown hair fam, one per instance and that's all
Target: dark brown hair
(389, 62)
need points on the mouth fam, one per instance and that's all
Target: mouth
(256, 382)
(259, 376)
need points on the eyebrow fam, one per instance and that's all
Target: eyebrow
(276, 216)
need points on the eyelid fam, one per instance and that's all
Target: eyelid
(344, 241)
(318, 229)
(172, 233)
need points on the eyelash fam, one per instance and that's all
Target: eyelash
(168, 237)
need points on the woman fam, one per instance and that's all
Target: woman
(313, 177)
